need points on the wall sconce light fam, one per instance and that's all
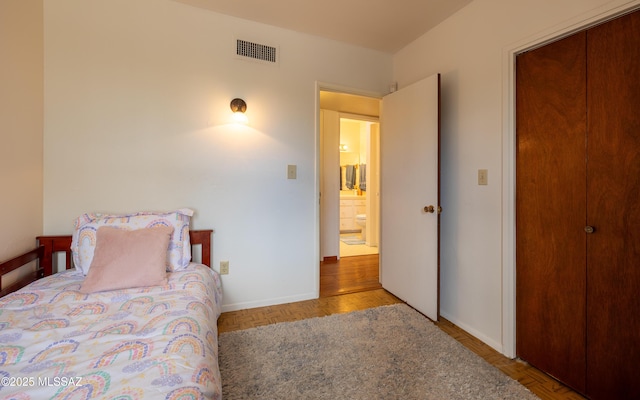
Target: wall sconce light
(238, 106)
(343, 147)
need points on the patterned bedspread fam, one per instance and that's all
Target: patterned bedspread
(148, 343)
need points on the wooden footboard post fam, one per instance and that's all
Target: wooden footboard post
(47, 258)
(52, 245)
(203, 237)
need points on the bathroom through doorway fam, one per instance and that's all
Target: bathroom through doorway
(358, 216)
(349, 175)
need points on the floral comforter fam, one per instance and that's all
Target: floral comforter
(150, 343)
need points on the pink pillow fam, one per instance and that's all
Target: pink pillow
(128, 259)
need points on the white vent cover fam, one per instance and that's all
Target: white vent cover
(256, 51)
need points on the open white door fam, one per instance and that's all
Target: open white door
(409, 150)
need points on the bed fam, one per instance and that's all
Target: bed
(60, 338)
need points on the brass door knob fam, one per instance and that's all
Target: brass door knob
(429, 209)
(589, 229)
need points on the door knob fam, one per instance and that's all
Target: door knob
(429, 209)
(589, 229)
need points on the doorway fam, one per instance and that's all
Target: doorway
(349, 186)
(409, 148)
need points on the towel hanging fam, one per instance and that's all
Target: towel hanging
(363, 177)
(350, 176)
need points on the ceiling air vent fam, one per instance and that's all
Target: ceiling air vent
(256, 51)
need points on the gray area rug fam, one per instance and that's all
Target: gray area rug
(388, 352)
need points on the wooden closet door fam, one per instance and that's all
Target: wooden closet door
(550, 208)
(613, 209)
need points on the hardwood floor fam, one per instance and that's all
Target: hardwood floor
(343, 291)
(244, 319)
(349, 275)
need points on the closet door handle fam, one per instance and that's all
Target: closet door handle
(589, 229)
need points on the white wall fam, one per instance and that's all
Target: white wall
(137, 117)
(21, 125)
(469, 51)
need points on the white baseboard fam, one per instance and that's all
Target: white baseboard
(268, 302)
(478, 335)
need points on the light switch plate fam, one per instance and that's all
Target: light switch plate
(483, 177)
(292, 171)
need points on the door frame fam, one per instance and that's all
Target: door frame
(328, 87)
(509, 54)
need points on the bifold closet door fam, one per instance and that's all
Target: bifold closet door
(613, 209)
(551, 209)
(578, 209)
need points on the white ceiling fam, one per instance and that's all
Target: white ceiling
(384, 25)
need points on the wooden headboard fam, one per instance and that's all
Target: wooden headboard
(48, 246)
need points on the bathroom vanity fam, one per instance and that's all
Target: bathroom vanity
(350, 206)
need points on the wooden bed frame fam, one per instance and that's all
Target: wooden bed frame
(50, 245)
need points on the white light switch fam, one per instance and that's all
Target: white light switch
(483, 177)
(291, 171)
